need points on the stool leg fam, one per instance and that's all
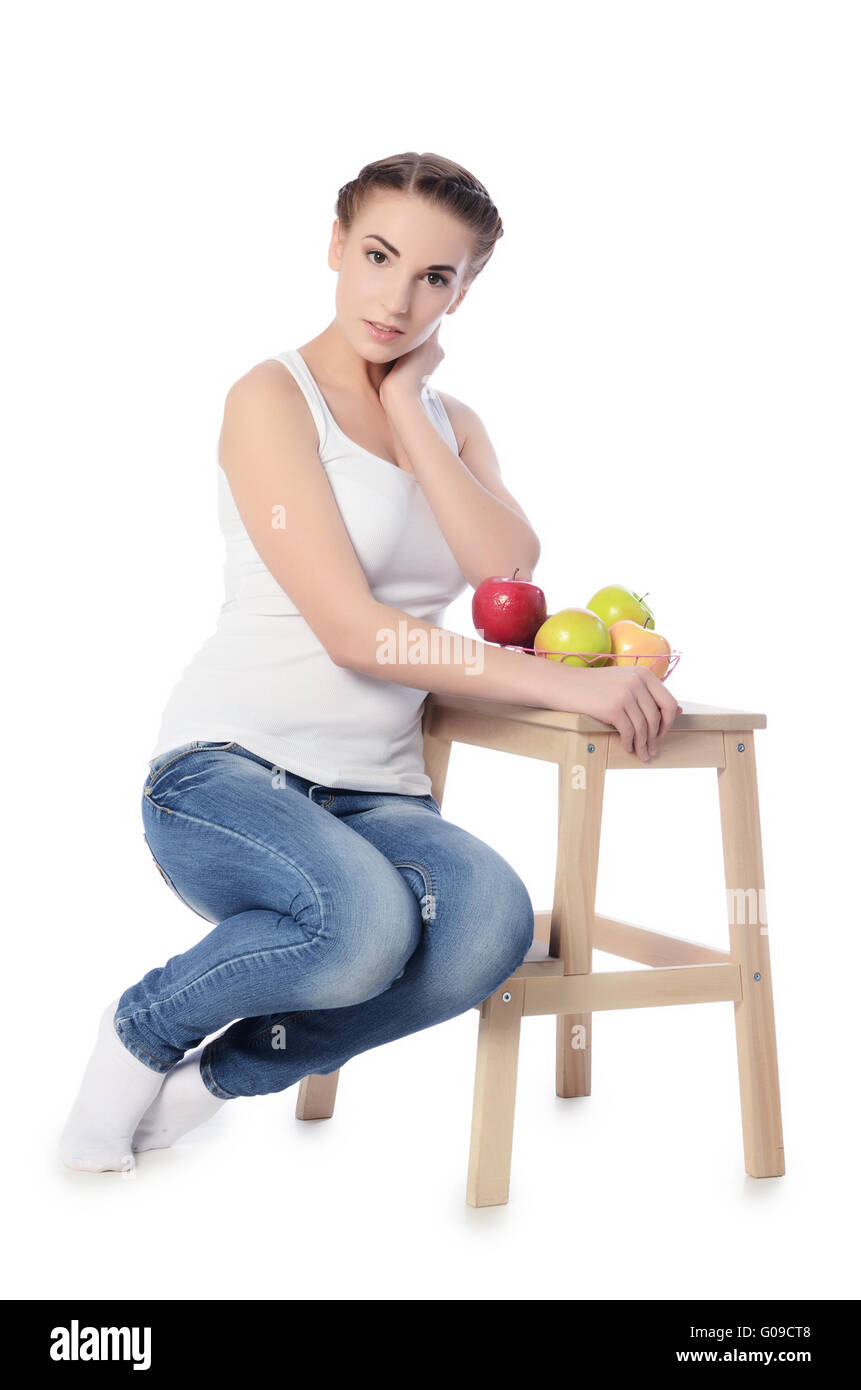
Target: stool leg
(580, 799)
(316, 1098)
(754, 1013)
(493, 1098)
(574, 1053)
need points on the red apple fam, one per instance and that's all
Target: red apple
(508, 611)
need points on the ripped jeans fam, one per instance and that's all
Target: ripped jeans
(344, 919)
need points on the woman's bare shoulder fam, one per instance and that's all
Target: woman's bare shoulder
(458, 413)
(269, 370)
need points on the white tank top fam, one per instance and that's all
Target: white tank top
(264, 680)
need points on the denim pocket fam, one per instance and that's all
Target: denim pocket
(432, 802)
(170, 885)
(198, 746)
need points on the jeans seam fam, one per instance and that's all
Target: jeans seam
(283, 1022)
(234, 960)
(138, 1048)
(225, 1095)
(258, 844)
(427, 878)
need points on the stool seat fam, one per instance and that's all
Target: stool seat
(556, 974)
(693, 716)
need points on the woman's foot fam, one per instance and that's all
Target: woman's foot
(116, 1091)
(182, 1104)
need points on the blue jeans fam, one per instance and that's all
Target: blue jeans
(345, 919)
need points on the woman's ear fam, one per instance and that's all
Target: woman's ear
(457, 303)
(336, 246)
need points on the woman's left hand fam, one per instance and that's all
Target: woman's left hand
(409, 373)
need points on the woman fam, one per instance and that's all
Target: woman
(287, 800)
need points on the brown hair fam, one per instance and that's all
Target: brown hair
(441, 182)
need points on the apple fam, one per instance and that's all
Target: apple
(573, 630)
(632, 639)
(508, 611)
(614, 602)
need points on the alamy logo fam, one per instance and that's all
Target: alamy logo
(746, 907)
(78, 1343)
(440, 647)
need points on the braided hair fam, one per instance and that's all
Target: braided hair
(443, 183)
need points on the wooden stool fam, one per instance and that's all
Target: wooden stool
(556, 975)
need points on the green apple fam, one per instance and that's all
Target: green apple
(614, 604)
(573, 630)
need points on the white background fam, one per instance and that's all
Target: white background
(664, 349)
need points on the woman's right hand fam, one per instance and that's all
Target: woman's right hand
(631, 698)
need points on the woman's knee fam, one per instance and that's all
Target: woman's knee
(521, 920)
(495, 927)
(508, 922)
(369, 926)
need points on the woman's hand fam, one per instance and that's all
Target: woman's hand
(631, 698)
(408, 374)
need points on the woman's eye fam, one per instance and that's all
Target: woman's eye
(441, 279)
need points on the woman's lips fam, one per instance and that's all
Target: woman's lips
(382, 335)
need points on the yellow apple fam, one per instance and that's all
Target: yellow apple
(614, 602)
(572, 630)
(630, 640)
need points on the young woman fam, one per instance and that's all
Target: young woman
(287, 800)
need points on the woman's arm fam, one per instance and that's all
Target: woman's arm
(268, 450)
(488, 532)
(477, 451)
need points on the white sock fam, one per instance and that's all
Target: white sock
(116, 1090)
(182, 1103)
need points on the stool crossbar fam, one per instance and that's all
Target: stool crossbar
(556, 974)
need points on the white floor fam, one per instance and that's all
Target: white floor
(637, 1191)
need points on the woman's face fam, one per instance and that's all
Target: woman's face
(402, 264)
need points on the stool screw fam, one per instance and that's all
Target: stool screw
(740, 747)
(756, 975)
(506, 998)
(590, 748)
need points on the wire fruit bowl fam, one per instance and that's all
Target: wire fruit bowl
(601, 659)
